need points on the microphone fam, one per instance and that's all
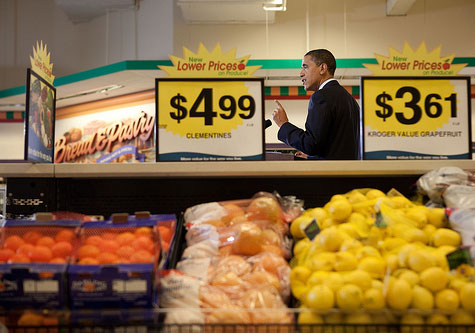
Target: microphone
(268, 123)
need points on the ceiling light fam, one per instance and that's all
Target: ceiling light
(276, 6)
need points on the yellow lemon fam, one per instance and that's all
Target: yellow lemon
(377, 284)
(429, 230)
(420, 260)
(349, 297)
(392, 262)
(320, 297)
(462, 318)
(434, 278)
(298, 225)
(318, 213)
(367, 251)
(307, 318)
(437, 217)
(375, 266)
(437, 319)
(336, 319)
(356, 196)
(360, 278)
(348, 229)
(418, 215)
(317, 277)
(416, 235)
(399, 294)
(457, 283)
(327, 222)
(446, 249)
(334, 281)
(422, 299)
(393, 243)
(467, 296)
(299, 289)
(410, 276)
(351, 245)
(401, 202)
(374, 194)
(358, 318)
(444, 236)
(404, 253)
(339, 209)
(322, 261)
(301, 247)
(337, 197)
(373, 299)
(413, 321)
(300, 273)
(447, 300)
(345, 261)
(331, 239)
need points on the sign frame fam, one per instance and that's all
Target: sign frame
(228, 79)
(425, 78)
(30, 124)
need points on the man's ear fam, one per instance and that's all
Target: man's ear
(323, 68)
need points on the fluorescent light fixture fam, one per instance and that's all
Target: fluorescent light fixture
(276, 6)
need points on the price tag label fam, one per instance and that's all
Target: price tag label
(210, 119)
(416, 117)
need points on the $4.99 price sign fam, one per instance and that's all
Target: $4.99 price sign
(210, 119)
(409, 118)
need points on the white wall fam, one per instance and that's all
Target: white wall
(12, 143)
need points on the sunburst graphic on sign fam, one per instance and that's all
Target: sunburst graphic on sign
(40, 62)
(206, 64)
(419, 62)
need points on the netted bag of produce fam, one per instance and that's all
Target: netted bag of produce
(459, 196)
(463, 221)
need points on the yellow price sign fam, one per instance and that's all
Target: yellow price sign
(423, 108)
(214, 113)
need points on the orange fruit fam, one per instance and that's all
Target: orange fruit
(107, 258)
(62, 249)
(41, 254)
(264, 208)
(87, 250)
(272, 248)
(233, 211)
(270, 262)
(143, 231)
(26, 249)
(17, 257)
(57, 261)
(64, 235)
(13, 242)
(166, 233)
(6, 253)
(93, 240)
(46, 241)
(143, 243)
(109, 235)
(32, 237)
(249, 239)
(88, 261)
(109, 245)
(124, 252)
(125, 238)
(141, 256)
(225, 250)
(30, 319)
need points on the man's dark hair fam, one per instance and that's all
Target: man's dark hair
(321, 56)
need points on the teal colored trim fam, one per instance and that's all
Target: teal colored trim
(266, 91)
(355, 90)
(302, 91)
(153, 65)
(469, 61)
(284, 91)
(12, 91)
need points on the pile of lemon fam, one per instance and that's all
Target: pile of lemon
(378, 254)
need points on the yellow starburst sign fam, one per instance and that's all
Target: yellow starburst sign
(40, 62)
(417, 62)
(205, 64)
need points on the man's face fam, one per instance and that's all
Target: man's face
(311, 74)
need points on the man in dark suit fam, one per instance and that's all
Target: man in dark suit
(332, 128)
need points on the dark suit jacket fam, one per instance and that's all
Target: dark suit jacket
(332, 128)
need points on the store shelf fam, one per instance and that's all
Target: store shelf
(27, 170)
(255, 169)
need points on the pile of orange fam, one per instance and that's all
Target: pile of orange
(135, 246)
(35, 246)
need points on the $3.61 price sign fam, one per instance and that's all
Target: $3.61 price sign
(206, 106)
(402, 104)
